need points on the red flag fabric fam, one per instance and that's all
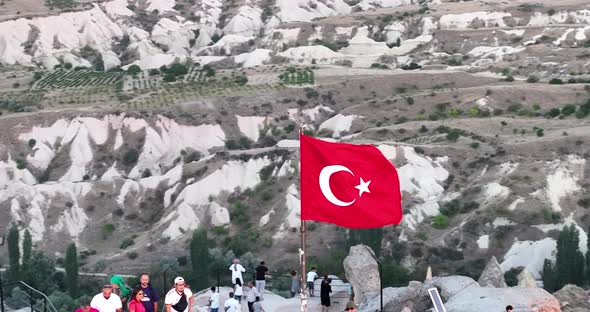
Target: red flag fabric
(353, 186)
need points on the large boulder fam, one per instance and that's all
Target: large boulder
(573, 299)
(462, 294)
(526, 279)
(492, 275)
(362, 272)
(496, 299)
(398, 299)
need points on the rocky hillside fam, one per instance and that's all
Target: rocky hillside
(482, 106)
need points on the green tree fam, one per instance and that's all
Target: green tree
(548, 276)
(41, 274)
(71, 266)
(133, 70)
(199, 253)
(13, 253)
(27, 249)
(569, 263)
(178, 69)
(369, 237)
(440, 222)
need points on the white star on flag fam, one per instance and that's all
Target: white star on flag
(363, 187)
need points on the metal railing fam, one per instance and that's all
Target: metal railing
(36, 300)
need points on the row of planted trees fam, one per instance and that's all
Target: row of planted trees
(39, 271)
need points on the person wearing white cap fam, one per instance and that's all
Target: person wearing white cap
(179, 298)
(106, 301)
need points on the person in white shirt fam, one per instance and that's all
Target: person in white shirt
(231, 304)
(179, 298)
(238, 292)
(214, 300)
(311, 277)
(251, 295)
(236, 272)
(258, 305)
(106, 301)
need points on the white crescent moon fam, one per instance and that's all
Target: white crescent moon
(325, 175)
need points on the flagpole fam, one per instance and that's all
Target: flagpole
(302, 250)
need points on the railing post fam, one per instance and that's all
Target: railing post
(31, 300)
(44, 304)
(1, 294)
(165, 287)
(218, 282)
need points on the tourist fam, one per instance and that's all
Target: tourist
(350, 307)
(251, 295)
(120, 289)
(236, 271)
(214, 300)
(150, 295)
(136, 300)
(509, 308)
(106, 301)
(311, 277)
(258, 305)
(179, 298)
(295, 284)
(231, 304)
(325, 291)
(261, 278)
(238, 291)
(85, 306)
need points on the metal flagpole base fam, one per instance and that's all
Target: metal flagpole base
(303, 303)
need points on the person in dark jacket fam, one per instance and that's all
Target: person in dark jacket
(150, 295)
(325, 291)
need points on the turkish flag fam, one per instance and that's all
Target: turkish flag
(353, 186)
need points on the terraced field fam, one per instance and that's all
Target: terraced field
(63, 78)
(299, 76)
(184, 93)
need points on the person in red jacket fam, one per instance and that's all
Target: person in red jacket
(135, 303)
(85, 306)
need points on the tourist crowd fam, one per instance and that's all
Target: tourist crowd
(116, 296)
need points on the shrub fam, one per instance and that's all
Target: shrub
(107, 230)
(32, 143)
(584, 202)
(423, 129)
(169, 77)
(555, 81)
(568, 109)
(474, 145)
(132, 255)
(126, 243)
(21, 164)
(440, 222)
(311, 93)
(552, 113)
(453, 135)
(509, 79)
(410, 100)
(130, 157)
(532, 79)
(245, 143)
(511, 276)
(515, 108)
(540, 132)
(154, 72)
